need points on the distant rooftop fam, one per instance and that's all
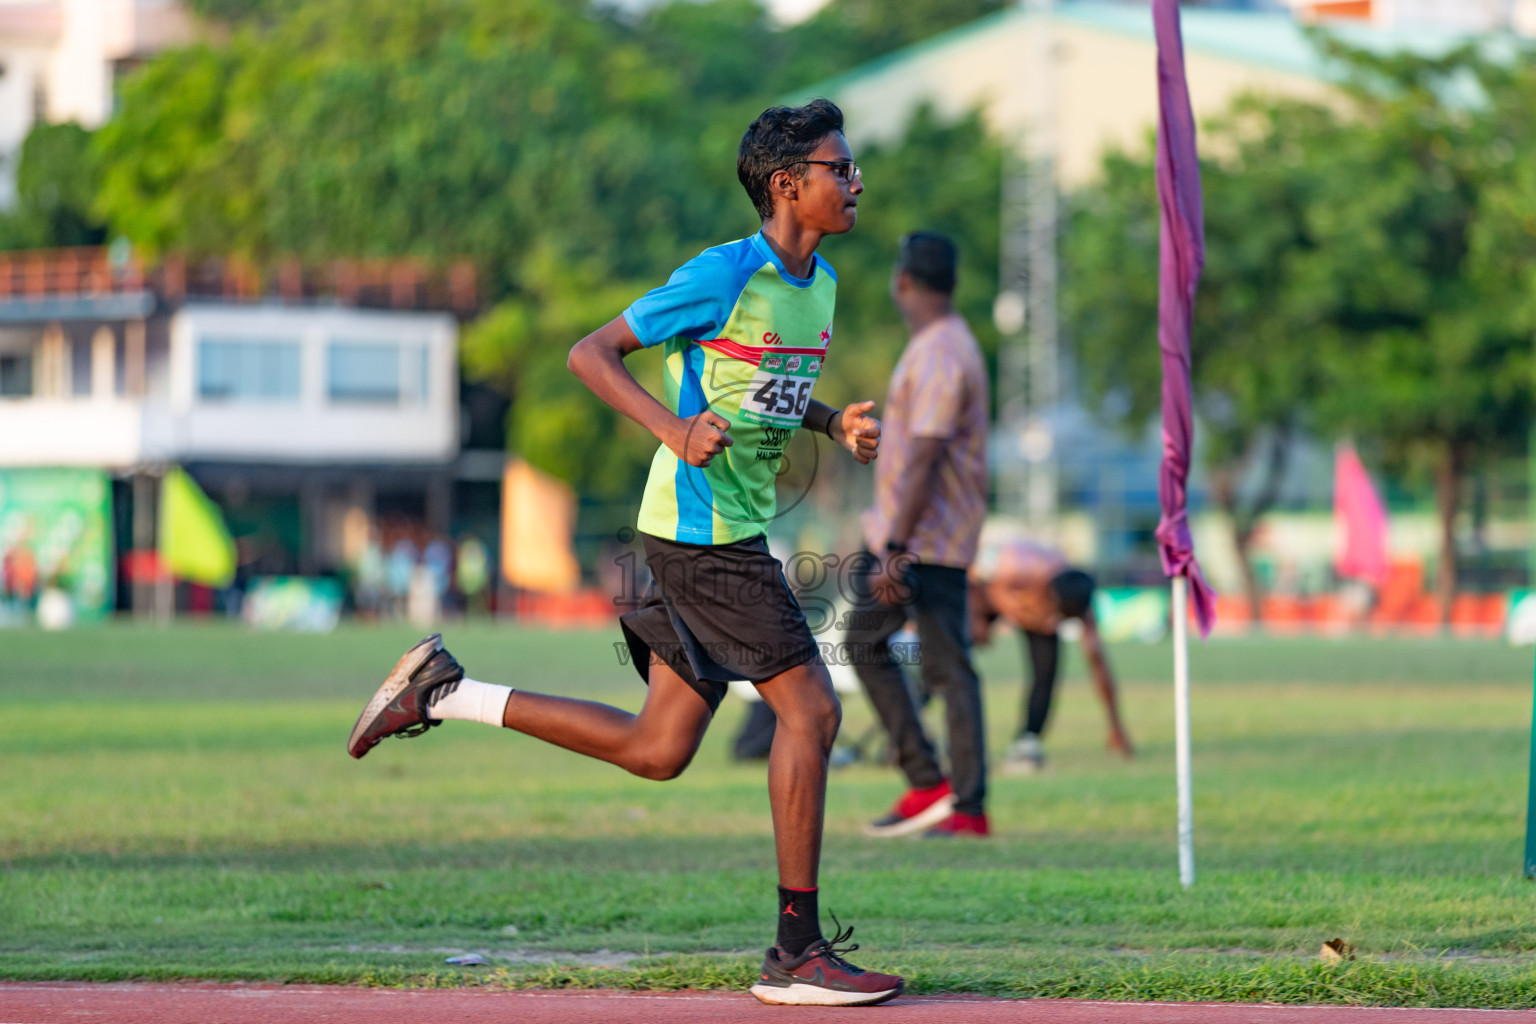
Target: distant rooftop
(1265, 37)
(95, 283)
(1102, 90)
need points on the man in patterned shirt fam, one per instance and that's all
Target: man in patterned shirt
(930, 500)
(744, 328)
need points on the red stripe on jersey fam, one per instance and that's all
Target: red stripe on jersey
(754, 353)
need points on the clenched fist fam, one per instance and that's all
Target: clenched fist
(861, 432)
(698, 439)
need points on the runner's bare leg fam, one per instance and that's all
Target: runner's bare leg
(808, 714)
(657, 743)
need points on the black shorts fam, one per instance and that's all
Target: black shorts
(717, 612)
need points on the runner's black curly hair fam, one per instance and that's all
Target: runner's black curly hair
(780, 139)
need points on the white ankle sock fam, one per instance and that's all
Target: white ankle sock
(472, 701)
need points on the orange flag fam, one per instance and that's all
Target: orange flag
(538, 518)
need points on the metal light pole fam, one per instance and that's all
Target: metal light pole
(1025, 310)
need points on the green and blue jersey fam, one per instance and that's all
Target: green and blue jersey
(745, 340)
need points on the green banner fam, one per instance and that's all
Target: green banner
(55, 533)
(309, 605)
(1131, 613)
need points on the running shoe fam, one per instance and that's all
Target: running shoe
(401, 705)
(1025, 756)
(916, 810)
(958, 824)
(821, 977)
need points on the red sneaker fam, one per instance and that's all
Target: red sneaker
(958, 824)
(821, 977)
(916, 810)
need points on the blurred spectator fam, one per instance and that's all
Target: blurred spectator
(1030, 585)
(922, 531)
(397, 574)
(20, 570)
(368, 576)
(438, 558)
(474, 573)
(422, 604)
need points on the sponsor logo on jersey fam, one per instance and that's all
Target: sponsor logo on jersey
(770, 338)
(826, 335)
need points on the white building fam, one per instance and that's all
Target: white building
(229, 383)
(315, 415)
(60, 61)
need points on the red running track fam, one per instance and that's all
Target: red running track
(74, 1003)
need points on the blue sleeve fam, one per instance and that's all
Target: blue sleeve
(827, 267)
(694, 303)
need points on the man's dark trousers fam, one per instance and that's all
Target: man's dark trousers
(935, 599)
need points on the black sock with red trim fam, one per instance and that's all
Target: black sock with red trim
(799, 920)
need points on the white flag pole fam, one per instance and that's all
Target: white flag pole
(1181, 729)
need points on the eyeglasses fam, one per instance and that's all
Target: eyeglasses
(846, 170)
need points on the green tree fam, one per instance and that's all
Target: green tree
(521, 345)
(1366, 275)
(237, 11)
(405, 128)
(1253, 382)
(846, 33)
(173, 174)
(55, 185)
(575, 154)
(1426, 346)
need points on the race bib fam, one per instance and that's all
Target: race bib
(780, 390)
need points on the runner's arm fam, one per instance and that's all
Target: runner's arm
(851, 427)
(822, 418)
(982, 614)
(1104, 684)
(598, 361)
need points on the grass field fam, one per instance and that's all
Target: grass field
(178, 804)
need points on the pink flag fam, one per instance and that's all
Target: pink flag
(1360, 519)
(1182, 257)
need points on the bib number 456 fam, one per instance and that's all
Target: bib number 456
(784, 396)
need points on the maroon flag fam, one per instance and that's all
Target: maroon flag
(1182, 257)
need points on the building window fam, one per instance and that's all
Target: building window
(358, 371)
(248, 369)
(15, 376)
(379, 372)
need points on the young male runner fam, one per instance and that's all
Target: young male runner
(744, 328)
(1031, 586)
